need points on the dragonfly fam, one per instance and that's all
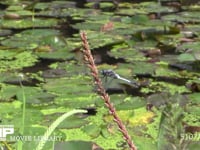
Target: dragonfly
(110, 73)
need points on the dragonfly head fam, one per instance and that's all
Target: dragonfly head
(109, 73)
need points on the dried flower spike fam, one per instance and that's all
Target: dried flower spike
(94, 72)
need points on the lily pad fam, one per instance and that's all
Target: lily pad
(92, 130)
(100, 39)
(16, 60)
(75, 121)
(137, 19)
(29, 23)
(128, 103)
(60, 54)
(129, 54)
(78, 145)
(31, 39)
(143, 68)
(35, 96)
(186, 57)
(88, 26)
(68, 86)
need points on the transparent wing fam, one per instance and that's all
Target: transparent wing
(110, 75)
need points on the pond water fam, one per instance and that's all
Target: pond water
(154, 44)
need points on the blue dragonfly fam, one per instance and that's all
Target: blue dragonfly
(112, 75)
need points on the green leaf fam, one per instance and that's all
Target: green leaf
(74, 145)
(31, 39)
(92, 130)
(137, 19)
(186, 57)
(28, 23)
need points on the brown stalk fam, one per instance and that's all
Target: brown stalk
(101, 91)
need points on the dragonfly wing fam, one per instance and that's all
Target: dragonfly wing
(133, 83)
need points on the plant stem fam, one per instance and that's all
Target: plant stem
(53, 126)
(20, 144)
(101, 91)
